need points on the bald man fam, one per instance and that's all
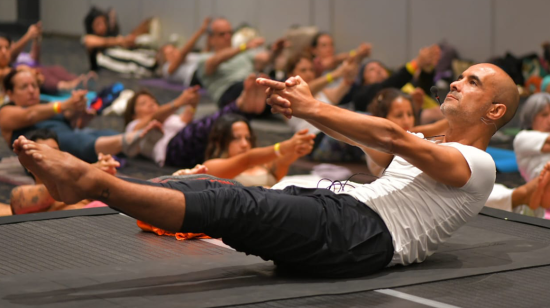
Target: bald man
(222, 72)
(428, 190)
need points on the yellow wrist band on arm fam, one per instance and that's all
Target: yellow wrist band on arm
(352, 53)
(277, 149)
(57, 107)
(242, 47)
(329, 78)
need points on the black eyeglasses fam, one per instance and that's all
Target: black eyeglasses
(223, 33)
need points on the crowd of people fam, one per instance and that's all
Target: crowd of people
(428, 158)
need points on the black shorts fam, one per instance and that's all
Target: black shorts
(314, 231)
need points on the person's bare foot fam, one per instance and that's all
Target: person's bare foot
(133, 143)
(252, 99)
(198, 169)
(541, 195)
(522, 194)
(67, 178)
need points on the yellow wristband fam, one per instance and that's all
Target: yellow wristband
(277, 149)
(329, 78)
(352, 53)
(191, 108)
(242, 47)
(57, 107)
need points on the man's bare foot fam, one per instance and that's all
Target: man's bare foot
(66, 177)
(541, 195)
(252, 99)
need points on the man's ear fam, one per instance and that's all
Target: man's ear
(497, 111)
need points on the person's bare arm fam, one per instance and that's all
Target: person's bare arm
(350, 69)
(304, 146)
(93, 41)
(379, 158)
(546, 147)
(35, 49)
(30, 198)
(444, 164)
(189, 96)
(221, 56)
(182, 53)
(318, 84)
(433, 129)
(32, 33)
(229, 168)
(15, 117)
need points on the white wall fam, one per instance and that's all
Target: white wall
(8, 10)
(397, 28)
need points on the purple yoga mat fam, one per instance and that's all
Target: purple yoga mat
(163, 84)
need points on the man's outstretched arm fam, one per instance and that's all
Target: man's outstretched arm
(444, 164)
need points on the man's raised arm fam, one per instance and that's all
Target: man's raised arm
(223, 55)
(444, 164)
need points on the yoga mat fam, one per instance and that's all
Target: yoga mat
(106, 261)
(505, 160)
(51, 98)
(164, 84)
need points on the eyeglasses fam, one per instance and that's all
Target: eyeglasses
(224, 33)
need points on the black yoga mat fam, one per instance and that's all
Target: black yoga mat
(105, 260)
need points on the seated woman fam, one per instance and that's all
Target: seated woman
(184, 141)
(532, 143)
(25, 113)
(397, 107)
(231, 153)
(108, 49)
(21, 201)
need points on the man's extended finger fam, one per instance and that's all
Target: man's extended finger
(276, 85)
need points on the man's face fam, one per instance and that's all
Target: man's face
(220, 37)
(471, 94)
(25, 90)
(4, 53)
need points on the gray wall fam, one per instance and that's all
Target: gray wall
(8, 10)
(397, 28)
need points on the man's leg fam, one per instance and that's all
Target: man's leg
(71, 180)
(314, 231)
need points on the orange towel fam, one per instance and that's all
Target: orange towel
(179, 236)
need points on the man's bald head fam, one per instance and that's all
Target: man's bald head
(506, 93)
(220, 33)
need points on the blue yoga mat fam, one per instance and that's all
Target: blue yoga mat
(505, 160)
(51, 98)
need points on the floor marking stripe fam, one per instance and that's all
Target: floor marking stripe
(416, 299)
